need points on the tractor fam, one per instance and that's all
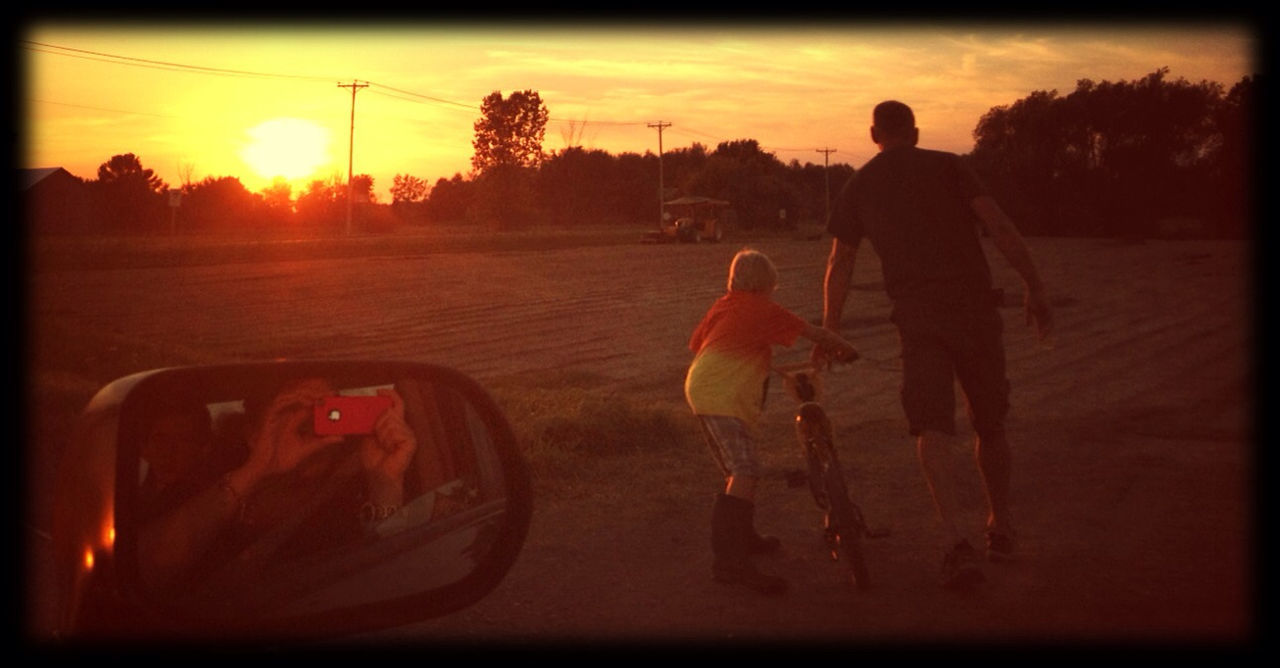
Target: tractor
(690, 219)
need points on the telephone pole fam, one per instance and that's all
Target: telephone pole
(660, 125)
(826, 174)
(354, 86)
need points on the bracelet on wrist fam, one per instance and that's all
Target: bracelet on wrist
(225, 483)
(373, 512)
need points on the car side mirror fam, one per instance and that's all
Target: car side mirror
(285, 499)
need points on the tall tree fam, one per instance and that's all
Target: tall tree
(278, 198)
(567, 185)
(132, 198)
(322, 204)
(450, 199)
(127, 168)
(362, 189)
(680, 164)
(1014, 148)
(750, 179)
(1111, 158)
(219, 203)
(1233, 164)
(407, 189)
(408, 195)
(510, 130)
(508, 145)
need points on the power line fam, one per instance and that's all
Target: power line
(114, 111)
(98, 56)
(475, 107)
(716, 139)
(53, 49)
(158, 64)
(470, 107)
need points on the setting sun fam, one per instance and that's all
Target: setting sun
(182, 97)
(288, 147)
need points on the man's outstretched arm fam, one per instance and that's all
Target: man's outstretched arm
(835, 289)
(836, 282)
(1007, 239)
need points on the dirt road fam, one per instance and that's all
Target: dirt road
(1133, 434)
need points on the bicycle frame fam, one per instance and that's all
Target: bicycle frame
(843, 524)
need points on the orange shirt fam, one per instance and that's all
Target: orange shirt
(733, 353)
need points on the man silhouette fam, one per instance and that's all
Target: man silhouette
(922, 209)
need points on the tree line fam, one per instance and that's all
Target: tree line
(1124, 158)
(1108, 159)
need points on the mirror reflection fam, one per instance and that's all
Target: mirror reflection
(306, 493)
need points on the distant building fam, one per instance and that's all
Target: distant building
(54, 201)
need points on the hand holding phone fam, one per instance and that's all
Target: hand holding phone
(344, 415)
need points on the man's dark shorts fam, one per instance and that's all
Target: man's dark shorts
(943, 343)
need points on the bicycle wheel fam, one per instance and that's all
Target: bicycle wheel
(844, 522)
(813, 433)
(817, 486)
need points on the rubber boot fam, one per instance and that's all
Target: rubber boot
(757, 544)
(730, 536)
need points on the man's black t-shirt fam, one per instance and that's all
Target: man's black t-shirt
(913, 205)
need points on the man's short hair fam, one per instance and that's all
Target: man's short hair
(893, 117)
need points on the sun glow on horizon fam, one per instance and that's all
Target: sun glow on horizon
(262, 104)
(291, 148)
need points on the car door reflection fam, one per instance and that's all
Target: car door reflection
(250, 506)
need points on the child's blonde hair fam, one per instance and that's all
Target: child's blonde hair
(752, 271)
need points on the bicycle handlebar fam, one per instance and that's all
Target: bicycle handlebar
(807, 366)
(793, 367)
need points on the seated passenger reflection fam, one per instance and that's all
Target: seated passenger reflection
(176, 445)
(291, 493)
(442, 479)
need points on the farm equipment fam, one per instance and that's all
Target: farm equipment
(690, 220)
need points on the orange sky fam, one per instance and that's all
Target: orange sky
(190, 100)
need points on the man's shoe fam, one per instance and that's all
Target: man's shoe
(960, 567)
(999, 546)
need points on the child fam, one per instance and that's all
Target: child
(725, 387)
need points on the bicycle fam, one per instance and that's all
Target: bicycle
(843, 525)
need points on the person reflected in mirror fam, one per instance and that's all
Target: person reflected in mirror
(725, 387)
(176, 443)
(293, 493)
(922, 211)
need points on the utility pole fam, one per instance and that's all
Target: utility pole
(826, 174)
(660, 125)
(354, 86)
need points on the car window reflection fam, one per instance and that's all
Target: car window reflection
(237, 498)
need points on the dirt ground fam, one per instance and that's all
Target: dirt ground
(1133, 435)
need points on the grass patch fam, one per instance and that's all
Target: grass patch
(113, 252)
(567, 429)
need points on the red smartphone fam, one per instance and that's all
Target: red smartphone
(343, 415)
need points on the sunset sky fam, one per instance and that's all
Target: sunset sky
(258, 99)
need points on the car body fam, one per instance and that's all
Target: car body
(461, 539)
